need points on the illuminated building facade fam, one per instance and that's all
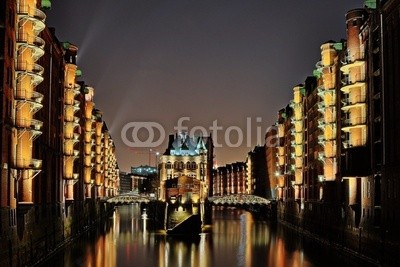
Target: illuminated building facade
(230, 179)
(336, 162)
(126, 183)
(297, 142)
(271, 149)
(43, 112)
(190, 157)
(220, 181)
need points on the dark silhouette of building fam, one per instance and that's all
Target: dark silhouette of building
(257, 180)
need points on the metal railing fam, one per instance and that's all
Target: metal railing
(354, 121)
(348, 101)
(24, 9)
(30, 39)
(349, 80)
(29, 67)
(23, 163)
(354, 143)
(22, 94)
(353, 57)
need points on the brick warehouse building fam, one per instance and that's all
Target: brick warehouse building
(57, 156)
(337, 164)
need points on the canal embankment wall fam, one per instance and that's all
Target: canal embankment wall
(331, 225)
(43, 229)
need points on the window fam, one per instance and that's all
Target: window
(180, 166)
(194, 166)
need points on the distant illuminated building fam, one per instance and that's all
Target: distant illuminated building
(144, 170)
(230, 179)
(125, 182)
(188, 159)
(144, 179)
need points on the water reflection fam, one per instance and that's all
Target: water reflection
(236, 240)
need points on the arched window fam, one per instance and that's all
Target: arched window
(188, 167)
(180, 167)
(168, 165)
(194, 166)
(176, 165)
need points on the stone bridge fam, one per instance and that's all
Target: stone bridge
(236, 200)
(129, 199)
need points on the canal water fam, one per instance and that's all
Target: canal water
(235, 239)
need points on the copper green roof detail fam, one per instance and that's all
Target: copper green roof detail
(46, 4)
(317, 74)
(66, 45)
(370, 4)
(338, 46)
(302, 90)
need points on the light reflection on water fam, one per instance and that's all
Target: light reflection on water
(236, 240)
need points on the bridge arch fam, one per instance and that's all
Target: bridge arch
(232, 200)
(129, 199)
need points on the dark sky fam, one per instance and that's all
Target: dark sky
(224, 60)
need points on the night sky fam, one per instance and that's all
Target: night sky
(224, 60)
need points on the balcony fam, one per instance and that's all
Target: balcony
(321, 156)
(28, 12)
(357, 122)
(354, 143)
(28, 123)
(69, 118)
(32, 69)
(321, 123)
(36, 125)
(36, 44)
(321, 105)
(76, 88)
(69, 128)
(76, 136)
(321, 140)
(357, 81)
(22, 163)
(322, 92)
(36, 164)
(319, 66)
(73, 124)
(70, 110)
(351, 61)
(33, 106)
(353, 101)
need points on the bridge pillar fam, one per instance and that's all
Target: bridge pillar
(155, 213)
(207, 216)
